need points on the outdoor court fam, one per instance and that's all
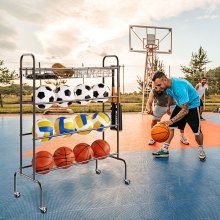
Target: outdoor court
(178, 187)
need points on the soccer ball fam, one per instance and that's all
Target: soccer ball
(101, 92)
(100, 121)
(64, 125)
(43, 128)
(83, 91)
(83, 122)
(64, 93)
(44, 94)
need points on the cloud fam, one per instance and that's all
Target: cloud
(87, 25)
(8, 35)
(207, 17)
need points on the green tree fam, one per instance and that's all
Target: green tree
(6, 78)
(213, 76)
(197, 66)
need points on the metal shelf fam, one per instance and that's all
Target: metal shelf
(81, 72)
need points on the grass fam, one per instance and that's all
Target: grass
(130, 103)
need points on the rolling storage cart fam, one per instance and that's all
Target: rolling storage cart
(33, 73)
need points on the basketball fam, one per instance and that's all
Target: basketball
(100, 148)
(82, 152)
(160, 132)
(62, 73)
(44, 161)
(63, 156)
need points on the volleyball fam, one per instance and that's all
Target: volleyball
(64, 92)
(83, 122)
(44, 94)
(101, 92)
(43, 128)
(83, 91)
(64, 125)
(100, 121)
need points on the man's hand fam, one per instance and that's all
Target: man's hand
(149, 111)
(168, 111)
(167, 123)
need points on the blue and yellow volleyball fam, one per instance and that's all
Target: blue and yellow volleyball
(64, 125)
(100, 121)
(83, 122)
(43, 128)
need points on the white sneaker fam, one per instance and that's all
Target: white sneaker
(183, 139)
(151, 141)
(201, 152)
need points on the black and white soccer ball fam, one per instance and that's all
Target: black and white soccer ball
(64, 92)
(83, 91)
(101, 92)
(44, 94)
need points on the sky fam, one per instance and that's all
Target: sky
(81, 32)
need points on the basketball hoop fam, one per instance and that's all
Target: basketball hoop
(152, 46)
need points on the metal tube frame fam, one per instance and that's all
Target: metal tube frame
(17, 194)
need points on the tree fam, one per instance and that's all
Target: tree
(158, 66)
(6, 78)
(197, 66)
(213, 76)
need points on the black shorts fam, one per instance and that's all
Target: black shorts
(201, 103)
(192, 118)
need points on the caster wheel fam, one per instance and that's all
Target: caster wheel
(98, 172)
(17, 194)
(43, 209)
(127, 181)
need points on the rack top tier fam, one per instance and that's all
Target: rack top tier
(56, 73)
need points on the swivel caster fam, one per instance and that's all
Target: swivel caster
(98, 171)
(127, 181)
(43, 210)
(17, 194)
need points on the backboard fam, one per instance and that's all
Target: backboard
(141, 37)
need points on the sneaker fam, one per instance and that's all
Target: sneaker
(161, 153)
(201, 118)
(183, 139)
(202, 155)
(151, 141)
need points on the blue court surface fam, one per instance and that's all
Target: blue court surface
(176, 188)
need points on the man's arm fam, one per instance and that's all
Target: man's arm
(169, 102)
(197, 86)
(184, 111)
(150, 103)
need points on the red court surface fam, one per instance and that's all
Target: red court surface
(135, 136)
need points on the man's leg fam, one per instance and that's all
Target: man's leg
(157, 115)
(193, 119)
(152, 141)
(163, 151)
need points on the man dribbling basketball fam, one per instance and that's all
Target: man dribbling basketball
(186, 110)
(164, 104)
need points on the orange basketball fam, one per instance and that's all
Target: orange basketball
(44, 161)
(63, 156)
(82, 152)
(100, 148)
(160, 132)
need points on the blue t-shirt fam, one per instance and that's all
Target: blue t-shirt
(183, 91)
